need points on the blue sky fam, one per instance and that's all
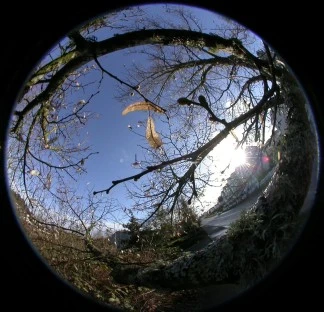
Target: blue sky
(109, 133)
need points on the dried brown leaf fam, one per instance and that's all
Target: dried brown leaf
(151, 135)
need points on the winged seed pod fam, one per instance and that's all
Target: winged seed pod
(151, 135)
(139, 106)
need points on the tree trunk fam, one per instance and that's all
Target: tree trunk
(212, 265)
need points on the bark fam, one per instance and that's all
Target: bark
(212, 265)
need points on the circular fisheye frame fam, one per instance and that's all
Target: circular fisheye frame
(155, 155)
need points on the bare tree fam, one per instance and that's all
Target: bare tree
(201, 87)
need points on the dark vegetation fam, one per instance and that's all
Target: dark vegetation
(89, 272)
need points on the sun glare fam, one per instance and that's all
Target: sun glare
(238, 157)
(225, 158)
(227, 154)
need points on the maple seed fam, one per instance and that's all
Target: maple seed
(152, 136)
(144, 105)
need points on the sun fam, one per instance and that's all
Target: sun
(238, 157)
(224, 158)
(226, 154)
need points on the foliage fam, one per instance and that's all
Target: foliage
(133, 227)
(68, 256)
(160, 233)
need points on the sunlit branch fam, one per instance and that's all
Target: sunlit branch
(165, 196)
(58, 263)
(189, 175)
(57, 226)
(247, 131)
(270, 59)
(57, 244)
(203, 103)
(75, 113)
(62, 167)
(245, 86)
(56, 81)
(50, 67)
(85, 52)
(149, 169)
(274, 123)
(26, 149)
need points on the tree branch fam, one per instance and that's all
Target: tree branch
(198, 155)
(86, 52)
